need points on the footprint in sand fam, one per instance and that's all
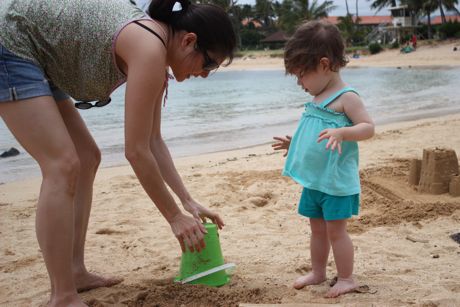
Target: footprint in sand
(260, 199)
(18, 264)
(107, 231)
(303, 269)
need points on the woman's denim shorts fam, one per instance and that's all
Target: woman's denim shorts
(23, 79)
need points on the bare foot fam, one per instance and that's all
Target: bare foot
(89, 281)
(69, 301)
(343, 285)
(309, 279)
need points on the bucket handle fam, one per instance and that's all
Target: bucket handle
(208, 272)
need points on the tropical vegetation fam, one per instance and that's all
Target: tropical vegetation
(265, 17)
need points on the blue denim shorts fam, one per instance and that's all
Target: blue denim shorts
(23, 79)
(316, 204)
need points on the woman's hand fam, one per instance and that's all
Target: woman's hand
(200, 213)
(188, 231)
(335, 138)
(283, 143)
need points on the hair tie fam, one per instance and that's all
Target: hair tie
(177, 7)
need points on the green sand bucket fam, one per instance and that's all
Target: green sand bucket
(206, 267)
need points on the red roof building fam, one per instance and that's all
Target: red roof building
(437, 20)
(365, 20)
(256, 23)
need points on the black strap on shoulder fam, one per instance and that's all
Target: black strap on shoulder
(151, 31)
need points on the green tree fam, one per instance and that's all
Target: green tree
(310, 10)
(380, 4)
(287, 17)
(265, 11)
(293, 12)
(449, 5)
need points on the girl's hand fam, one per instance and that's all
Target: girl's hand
(335, 138)
(283, 143)
(188, 231)
(200, 213)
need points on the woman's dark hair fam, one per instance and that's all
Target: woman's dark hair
(209, 22)
(312, 41)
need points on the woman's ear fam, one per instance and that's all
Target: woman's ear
(189, 39)
(324, 63)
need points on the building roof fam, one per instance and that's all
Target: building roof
(437, 20)
(364, 20)
(246, 21)
(277, 37)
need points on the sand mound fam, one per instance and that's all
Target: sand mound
(166, 293)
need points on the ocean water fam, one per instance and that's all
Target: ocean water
(235, 109)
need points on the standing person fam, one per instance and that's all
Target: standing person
(322, 155)
(414, 41)
(53, 50)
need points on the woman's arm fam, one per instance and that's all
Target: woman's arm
(144, 58)
(172, 177)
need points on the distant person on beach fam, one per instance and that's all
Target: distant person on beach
(51, 51)
(414, 41)
(322, 155)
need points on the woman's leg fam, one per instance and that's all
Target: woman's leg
(342, 247)
(319, 251)
(38, 126)
(90, 157)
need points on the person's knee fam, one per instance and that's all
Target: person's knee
(336, 232)
(91, 160)
(63, 171)
(318, 228)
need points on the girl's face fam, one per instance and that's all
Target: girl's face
(315, 81)
(191, 61)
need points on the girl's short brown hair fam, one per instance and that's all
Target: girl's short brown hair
(312, 41)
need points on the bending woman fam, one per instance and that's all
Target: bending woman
(53, 50)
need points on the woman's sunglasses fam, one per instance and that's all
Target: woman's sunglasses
(84, 105)
(209, 64)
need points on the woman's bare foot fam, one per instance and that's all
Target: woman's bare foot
(88, 281)
(309, 279)
(342, 286)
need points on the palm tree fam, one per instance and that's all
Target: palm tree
(287, 19)
(314, 10)
(264, 11)
(380, 4)
(449, 5)
(292, 12)
(357, 15)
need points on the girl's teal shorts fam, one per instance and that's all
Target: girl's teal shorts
(316, 204)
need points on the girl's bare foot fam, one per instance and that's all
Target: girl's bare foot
(343, 285)
(88, 281)
(309, 279)
(70, 301)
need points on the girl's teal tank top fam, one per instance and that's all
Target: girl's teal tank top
(312, 165)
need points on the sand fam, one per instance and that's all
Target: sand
(435, 54)
(404, 253)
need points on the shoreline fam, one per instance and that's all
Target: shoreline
(382, 126)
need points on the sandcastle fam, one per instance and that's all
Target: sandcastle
(437, 172)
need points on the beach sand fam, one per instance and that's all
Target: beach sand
(439, 54)
(404, 255)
